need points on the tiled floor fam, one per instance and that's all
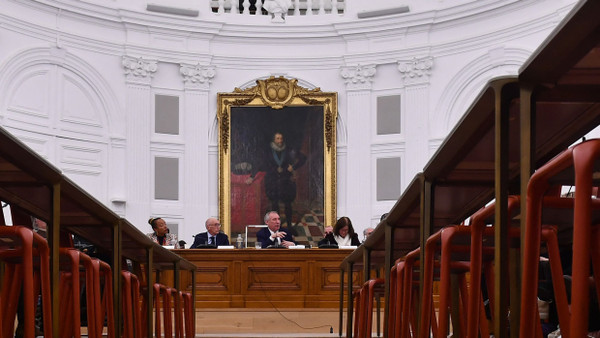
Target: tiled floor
(309, 230)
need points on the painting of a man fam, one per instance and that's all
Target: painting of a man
(280, 163)
(276, 165)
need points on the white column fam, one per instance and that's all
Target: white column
(139, 72)
(416, 131)
(342, 175)
(415, 75)
(358, 160)
(117, 171)
(196, 79)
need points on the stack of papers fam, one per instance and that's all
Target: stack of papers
(225, 247)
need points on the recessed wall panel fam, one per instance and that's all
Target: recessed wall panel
(388, 115)
(166, 114)
(166, 178)
(388, 178)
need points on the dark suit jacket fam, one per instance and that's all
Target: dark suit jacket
(202, 238)
(330, 239)
(263, 236)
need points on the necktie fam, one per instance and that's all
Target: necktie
(212, 240)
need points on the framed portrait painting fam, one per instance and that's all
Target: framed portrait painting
(277, 153)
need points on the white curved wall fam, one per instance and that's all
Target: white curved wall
(77, 82)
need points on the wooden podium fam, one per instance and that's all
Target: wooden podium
(266, 278)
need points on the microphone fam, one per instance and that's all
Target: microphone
(278, 238)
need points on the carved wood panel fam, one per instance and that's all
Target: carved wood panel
(251, 278)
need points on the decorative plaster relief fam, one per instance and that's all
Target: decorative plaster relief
(119, 205)
(277, 9)
(38, 142)
(138, 68)
(358, 77)
(416, 70)
(118, 142)
(497, 56)
(85, 163)
(78, 105)
(83, 155)
(36, 79)
(59, 54)
(197, 75)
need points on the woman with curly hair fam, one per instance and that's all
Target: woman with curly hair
(161, 233)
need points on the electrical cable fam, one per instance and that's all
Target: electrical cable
(282, 315)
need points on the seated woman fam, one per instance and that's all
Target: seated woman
(343, 234)
(161, 233)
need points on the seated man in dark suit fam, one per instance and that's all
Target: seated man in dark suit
(212, 236)
(273, 234)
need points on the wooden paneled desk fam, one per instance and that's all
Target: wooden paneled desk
(265, 278)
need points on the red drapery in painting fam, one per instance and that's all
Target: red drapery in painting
(248, 201)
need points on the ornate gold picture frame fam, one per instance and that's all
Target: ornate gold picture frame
(277, 149)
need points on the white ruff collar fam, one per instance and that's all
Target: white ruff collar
(276, 147)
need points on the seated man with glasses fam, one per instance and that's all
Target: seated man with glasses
(212, 237)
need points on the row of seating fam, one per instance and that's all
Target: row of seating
(25, 258)
(468, 252)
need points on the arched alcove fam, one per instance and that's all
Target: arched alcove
(61, 106)
(468, 82)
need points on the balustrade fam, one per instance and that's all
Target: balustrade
(296, 8)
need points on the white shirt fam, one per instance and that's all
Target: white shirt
(274, 240)
(343, 241)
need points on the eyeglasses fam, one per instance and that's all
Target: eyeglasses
(215, 225)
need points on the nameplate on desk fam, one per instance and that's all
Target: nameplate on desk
(170, 247)
(348, 246)
(297, 247)
(225, 247)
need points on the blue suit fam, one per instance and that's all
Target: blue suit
(263, 236)
(202, 239)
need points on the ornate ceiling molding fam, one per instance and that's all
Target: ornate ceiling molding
(139, 69)
(197, 76)
(358, 77)
(416, 70)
